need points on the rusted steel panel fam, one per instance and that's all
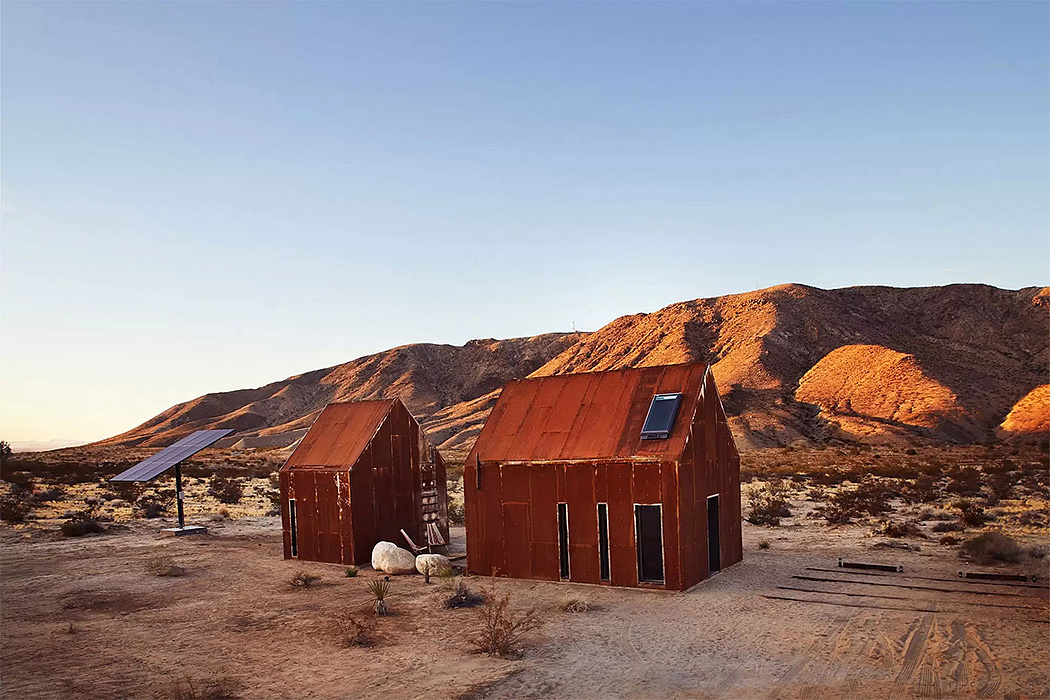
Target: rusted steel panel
(340, 433)
(517, 549)
(529, 452)
(586, 416)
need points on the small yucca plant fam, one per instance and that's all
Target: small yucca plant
(351, 571)
(379, 588)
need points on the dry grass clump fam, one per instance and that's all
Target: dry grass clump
(575, 605)
(901, 529)
(971, 514)
(225, 489)
(991, 548)
(302, 580)
(164, 565)
(15, 507)
(355, 631)
(463, 596)
(503, 630)
(351, 571)
(222, 688)
(84, 522)
(768, 504)
(870, 497)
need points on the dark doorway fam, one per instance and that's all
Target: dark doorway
(714, 553)
(291, 524)
(563, 538)
(603, 541)
(649, 533)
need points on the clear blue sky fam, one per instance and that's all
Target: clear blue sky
(210, 196)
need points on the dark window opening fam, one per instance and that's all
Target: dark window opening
(649, 540)
(563, 538)
(714, 553)
(291, 524)
(603, 541)
(660, 419)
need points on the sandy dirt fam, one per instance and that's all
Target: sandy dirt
(235, 615)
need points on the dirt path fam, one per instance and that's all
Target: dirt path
(234, 615)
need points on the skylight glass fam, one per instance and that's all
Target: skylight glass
(660, 420)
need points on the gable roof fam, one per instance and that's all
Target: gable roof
(340, 434)
(593, 415)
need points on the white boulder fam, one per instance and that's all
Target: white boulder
(393, 559)
(438, 564)
(379, 550)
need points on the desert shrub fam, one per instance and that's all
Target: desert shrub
(274, 497)
(130, 491)
(870, 497)
(275, 479)
(15, 507)
(1000, 485)
(379, 588)
(943, 526)
(55, 493)
(222, 688)
(900, 529)
(575, 605)
(456, 513)
(503, 630)
(764, 544)
(225, 489)
(84, 522)
(355, 631)
(163, 565)
(768, 504)
(302, 579)
(992, 547)
(922, 489)
(948, 540)
(463, 596)
(971, 514)
(965, 481)
(351, 571)
(19, 480)
(156, 503)
(1034, 518)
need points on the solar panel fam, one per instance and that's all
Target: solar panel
(188, 446)
(660, 419)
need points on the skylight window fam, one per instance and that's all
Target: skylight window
(660, 420)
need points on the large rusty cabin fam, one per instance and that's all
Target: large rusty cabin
(363, 472)
(624, 478)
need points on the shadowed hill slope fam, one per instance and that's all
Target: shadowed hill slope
(878, 364)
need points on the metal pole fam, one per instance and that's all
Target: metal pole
(178, 495)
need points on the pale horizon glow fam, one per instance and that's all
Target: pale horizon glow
(204, 197)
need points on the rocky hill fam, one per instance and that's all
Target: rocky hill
(793, 363)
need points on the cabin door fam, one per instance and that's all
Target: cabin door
(650, 542)
(714, 551)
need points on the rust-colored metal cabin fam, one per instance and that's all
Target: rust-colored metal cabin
(364, 471)
(561, 485)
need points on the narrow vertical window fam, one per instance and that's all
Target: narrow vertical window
(291, 524)
(603, 541)
(563, 538)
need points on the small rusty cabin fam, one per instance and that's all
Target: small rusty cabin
(625, 478)
(363, 472)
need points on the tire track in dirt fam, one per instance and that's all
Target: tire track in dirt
(914, 645)
(726, 684)
(987, 658)
(834, 630)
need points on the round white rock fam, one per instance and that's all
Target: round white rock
(395, 561)
(438, 564)
(380, 549)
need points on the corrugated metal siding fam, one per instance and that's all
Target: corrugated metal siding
(512, 521)
(340, 434)
(342, 510)
(597, 415)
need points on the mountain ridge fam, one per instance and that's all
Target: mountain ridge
(955, 358)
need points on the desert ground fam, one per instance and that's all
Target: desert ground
(87, 617)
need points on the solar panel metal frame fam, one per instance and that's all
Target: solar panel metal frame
(662, 431)
(152, 467)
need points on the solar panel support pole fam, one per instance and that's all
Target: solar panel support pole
(178, 496)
